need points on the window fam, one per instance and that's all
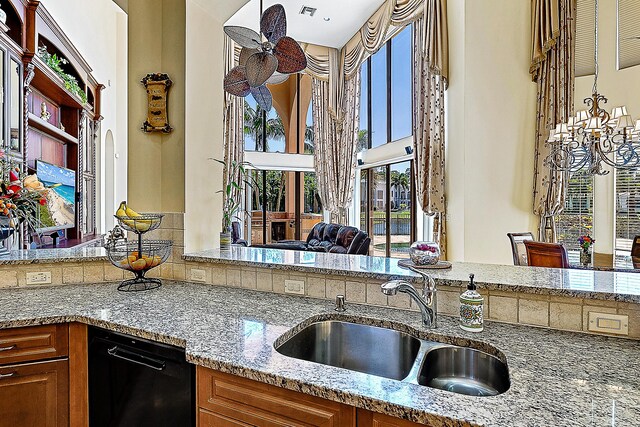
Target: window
(576, 218)
(309, 147)
(379, 98)
(401, 85)
(389, 220)
(253, 129)
(585, 37)
(284, 202)
(627, 191)
(386, 95)
(628, 43)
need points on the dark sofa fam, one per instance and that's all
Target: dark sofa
(333, 238)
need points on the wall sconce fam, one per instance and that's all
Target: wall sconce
(408, 149)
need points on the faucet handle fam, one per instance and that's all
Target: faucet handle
(340, 304)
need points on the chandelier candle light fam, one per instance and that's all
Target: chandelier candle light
(594, 138)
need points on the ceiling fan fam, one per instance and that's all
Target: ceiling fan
(262, 61)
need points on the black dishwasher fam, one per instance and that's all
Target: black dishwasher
(136, 383)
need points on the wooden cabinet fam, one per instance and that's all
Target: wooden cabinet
(34, 376)
(34, 394)
(373, 419)
(33, 343)
(228, 400)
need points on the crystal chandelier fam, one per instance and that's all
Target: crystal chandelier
(594, 137)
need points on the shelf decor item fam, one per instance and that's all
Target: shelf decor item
(424, 253)
(137, 256)
(157, 86)
(586, 243)
(266, 58)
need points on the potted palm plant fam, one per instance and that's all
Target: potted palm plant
(239, 176)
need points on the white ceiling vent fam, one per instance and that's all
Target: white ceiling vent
(308, 10)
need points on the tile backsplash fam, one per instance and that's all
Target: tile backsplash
(555, 312)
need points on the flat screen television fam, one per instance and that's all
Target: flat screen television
(60, 210)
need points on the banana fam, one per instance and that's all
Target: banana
(122, 213)
(141, 225)
(121, 209)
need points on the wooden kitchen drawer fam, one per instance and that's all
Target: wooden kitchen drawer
(229, 400)
(33, 343)
(35, 394)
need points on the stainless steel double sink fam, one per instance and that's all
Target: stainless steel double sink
(400, 356)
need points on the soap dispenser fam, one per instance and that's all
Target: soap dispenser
(471, 308)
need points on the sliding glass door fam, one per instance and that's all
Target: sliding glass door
(387, 210)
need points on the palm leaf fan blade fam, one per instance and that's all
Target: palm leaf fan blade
(260, 67)
(245, 37)
(263, 97)
(277, 78)
(245, 54)
(273, 23)
(235, 82)
(290, 56)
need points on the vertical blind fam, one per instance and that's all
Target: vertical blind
(576, 218)
(628, 33)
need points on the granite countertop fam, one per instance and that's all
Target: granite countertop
(40, 256)
(557, 378)
(605, 285)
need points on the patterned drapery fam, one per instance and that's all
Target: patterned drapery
(552, 68)
(233, 122)
(389, 19)
(429, 85)
(335, 129)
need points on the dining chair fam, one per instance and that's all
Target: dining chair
(541, 254)
(517, 246)
(635, 252)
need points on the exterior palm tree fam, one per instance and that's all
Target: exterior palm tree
(253, 126)
(400, 181)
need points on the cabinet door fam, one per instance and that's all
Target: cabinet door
(235, 401)
(373, 419)
(209, 419)
(34, 394)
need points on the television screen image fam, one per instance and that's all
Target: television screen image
(60, 210)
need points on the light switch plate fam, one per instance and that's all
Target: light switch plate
(39, 278)
(294, 287)
(198, 275)
(608, 323)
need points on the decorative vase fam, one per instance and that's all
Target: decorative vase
(225, 241)
(585, 258)
(424, 253)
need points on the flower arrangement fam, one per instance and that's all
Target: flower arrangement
(586, 242)
(20, 195)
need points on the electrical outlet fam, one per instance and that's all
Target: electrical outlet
(39, 278)
(294, 287)
(198, 275)
(609, 323)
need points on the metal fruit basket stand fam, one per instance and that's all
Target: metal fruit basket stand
(141, 255)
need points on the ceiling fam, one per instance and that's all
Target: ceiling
(345, 17)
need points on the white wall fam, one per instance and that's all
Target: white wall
(621, 87)
(204, 99)
(98, 30)
(490, 120)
